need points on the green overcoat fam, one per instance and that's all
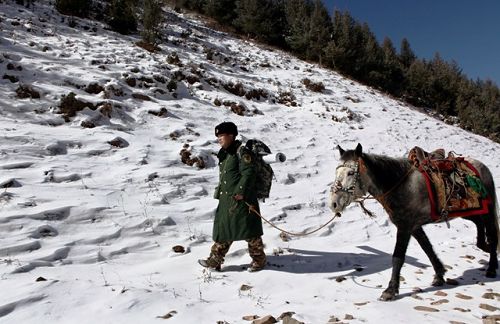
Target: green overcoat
(233, 221)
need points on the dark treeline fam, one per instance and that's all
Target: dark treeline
(306, 29)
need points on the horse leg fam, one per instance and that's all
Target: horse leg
(426, 245)
(481, 230)
(492, 235)
(398, 259)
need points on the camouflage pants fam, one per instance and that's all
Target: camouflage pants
(255, 249)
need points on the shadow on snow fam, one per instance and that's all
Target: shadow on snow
(361, 264)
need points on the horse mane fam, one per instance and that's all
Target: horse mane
(385, 171)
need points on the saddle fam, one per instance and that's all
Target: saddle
(453, 184)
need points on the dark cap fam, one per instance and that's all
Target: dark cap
(226, 128)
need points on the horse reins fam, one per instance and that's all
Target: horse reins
(251, 209)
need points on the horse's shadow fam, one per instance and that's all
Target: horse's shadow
(361, 264)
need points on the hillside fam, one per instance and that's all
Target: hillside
(96, 193)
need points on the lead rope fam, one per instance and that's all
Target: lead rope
(251, 209)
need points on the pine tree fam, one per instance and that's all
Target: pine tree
(443, 85)
(390, 55)
(392, 70)
(122, 16)
(491, 112)
(221, 10)
(341, 50)
(468, 104)
(368, 58)
(418, 84)
(152, 19)
(479, 108)
(320, 27)
(195, 5)
(262, 19)
(250, 15)
(406, 55)
(298, 16)
(78, 8)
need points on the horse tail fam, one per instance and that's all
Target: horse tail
(491, 188)
(495, 213)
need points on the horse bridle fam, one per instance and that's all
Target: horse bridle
(337, 186)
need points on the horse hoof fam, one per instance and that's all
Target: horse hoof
(438, 281)
(387, 296)
(491, 274)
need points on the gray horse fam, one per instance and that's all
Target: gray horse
(401, 189)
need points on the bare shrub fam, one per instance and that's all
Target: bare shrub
(111, 91)
(26, 91)
(94, 88)
(238, 109)
(235, 88)
(147, 79)
(192, 79)
(172, 85)
(118, 142)
(148, 46)
(11, 67)
(141, 96)
(256, 94)
(69, 105)
(178, 75)
(286, 98)
(87, 124)
(163, 112)
(159, 78)
(11, 78)
(186, 158)
(174, 59)
(313, 86)
(132, 82)
(106, 109)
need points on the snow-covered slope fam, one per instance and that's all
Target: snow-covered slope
(87, 227)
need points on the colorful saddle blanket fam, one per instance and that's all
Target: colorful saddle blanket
(453, 184)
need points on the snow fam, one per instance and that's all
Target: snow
(98, 222)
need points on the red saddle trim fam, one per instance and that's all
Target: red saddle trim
(459, 213)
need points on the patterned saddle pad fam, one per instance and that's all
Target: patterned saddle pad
(453, 184)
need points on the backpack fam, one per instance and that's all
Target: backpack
(264, 172)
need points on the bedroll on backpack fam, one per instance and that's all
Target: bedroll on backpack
(264, 172)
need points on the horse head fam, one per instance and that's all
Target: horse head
(348, 185)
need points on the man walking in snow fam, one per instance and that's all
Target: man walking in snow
(233, 220)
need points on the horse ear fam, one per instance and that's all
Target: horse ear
(359, 150)
(341, 151)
